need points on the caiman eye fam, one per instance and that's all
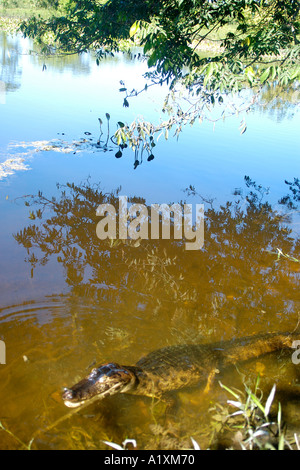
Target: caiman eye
(93, 374)
(67, 394)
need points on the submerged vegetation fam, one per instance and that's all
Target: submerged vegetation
(252, 427)
(256, 425)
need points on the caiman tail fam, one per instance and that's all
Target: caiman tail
(250, 347)
(174, 367)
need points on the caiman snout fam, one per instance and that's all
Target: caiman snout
(104, 380)
(68, 394)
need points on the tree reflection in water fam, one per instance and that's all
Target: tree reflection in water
(238, 280)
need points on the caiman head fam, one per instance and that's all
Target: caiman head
(104, 380)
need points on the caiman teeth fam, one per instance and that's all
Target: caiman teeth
(71, 404)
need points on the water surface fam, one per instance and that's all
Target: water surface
(69, 300)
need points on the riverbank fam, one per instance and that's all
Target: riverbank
(21, 10)
(9, 24)
(13, 13)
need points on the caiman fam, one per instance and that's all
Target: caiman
(173, 368)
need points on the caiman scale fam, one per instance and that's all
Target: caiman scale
(173, 367)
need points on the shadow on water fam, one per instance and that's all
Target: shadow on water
(121, 299)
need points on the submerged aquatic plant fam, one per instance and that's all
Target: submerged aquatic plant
(22, 444)
(132, 442)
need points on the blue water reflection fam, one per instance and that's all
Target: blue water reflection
(67, 98)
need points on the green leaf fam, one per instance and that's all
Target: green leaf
(134, 28)
(230, 391)
(255, 400)
(295, 74)
(265, 75)
(119, 139)
(250, 74)
(273, 72)
(152, 60)
(147, 46)
(166, 66)
(209, 72)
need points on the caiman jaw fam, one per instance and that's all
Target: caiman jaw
(105, 380)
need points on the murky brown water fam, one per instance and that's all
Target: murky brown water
(117, 302)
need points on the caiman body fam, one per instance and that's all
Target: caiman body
(174, 367)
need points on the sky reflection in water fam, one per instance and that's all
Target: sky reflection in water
(67, 98)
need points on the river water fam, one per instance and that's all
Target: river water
(69, 300)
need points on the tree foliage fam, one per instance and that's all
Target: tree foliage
(172, 31)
